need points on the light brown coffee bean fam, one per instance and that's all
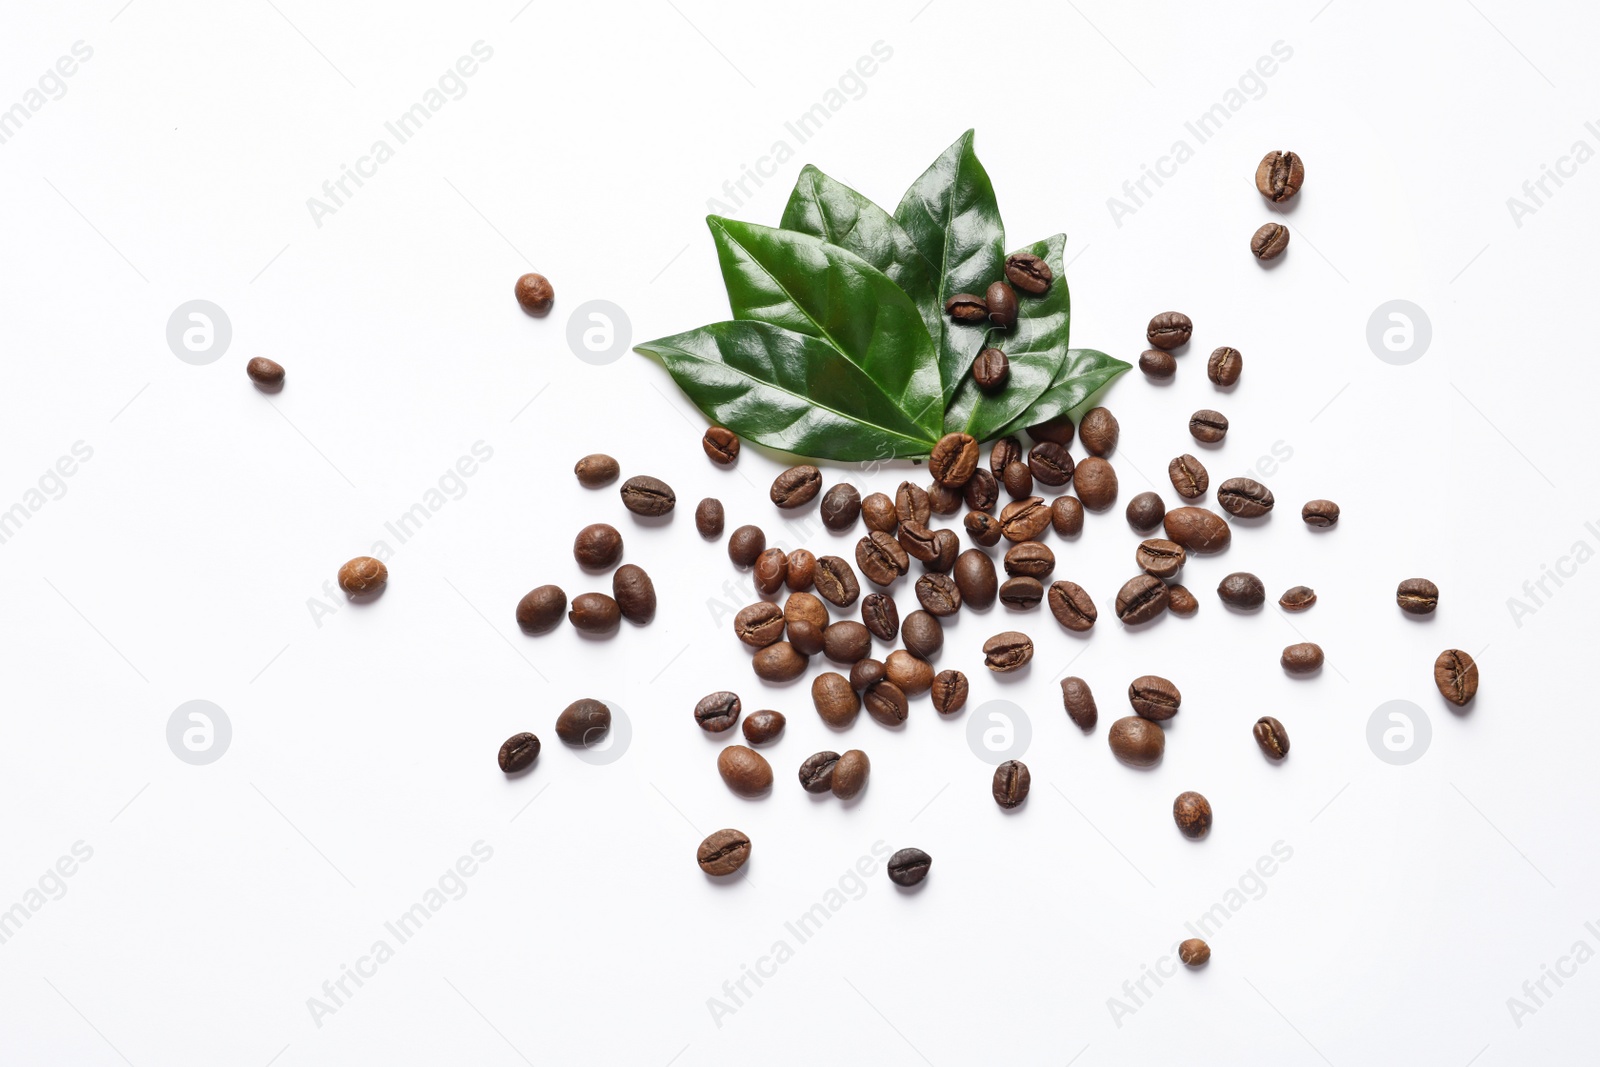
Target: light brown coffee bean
(535, 294)
(1095, 482)
(835, 700)
(1011, 783)
(1417, 596)
(850, 774)
(808, 640)
(886, 702)
(975, 579)
(803, 607)
(846, 641)
(1279, 176)
(835, 582)
(1160, 557)
(634, 593)
(914, 676)
(1194, 952)
(758, 625)
(1099, 431)
(709, 517)
(723, 853)
(1141, 598)
(1026, 519)
(1197, 530)
(745, 770)
(867, 673)
(1066, 515)
(594, 613)
(1224, 367)
(779, 662)
(1456, 675)
(1079, 702)
(542, 610)
(911, 502)
(745, 546)
(1169, 330)
(363, 577)
(939, 594)
(1137, 741)
(949, 693)
(1018, 479)
(923, 634)
(1021, 594)
(1245, 498)
(1030, 559)
(877, 511)
(721, 445)
(1270, 241)
(1298, 598)
(1008, 651)
(1207, 426)
(802, 569)
(596, 470)
(1320, 514)
(1154, 698)
(796, 487)
(772, 567)
(1072, 606)
(1271, 737)
(1181, 602)
(1189, 477)
(1192, 813)
(953, 460)
(1302, 658)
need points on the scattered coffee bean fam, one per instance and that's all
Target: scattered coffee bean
(1154, 698)
(912, 674)
(597, 547)
(267, 374)
(949, 550)
(991, 369)
(982, 528)
(778, 662)
(1417, 596)
(886, 702)
(808, 639)
(1018, 480)
(1320, 513)
(846, 641)
(1194, 952)
(836, 582)
(909, 866)
(709, 518)
(1169, 330)
(923, 634)
(1058, 431)
(975, 579)
(917, 541)
(1001, 300)
(1008, 651)
(594, 613)
(1028, 272)
(1024, 520)
(1145, 511)
(535, 294)
(1192, 813)
(1071, 605)
(644, 495)
(1011, 782)
(596, 470)
(882, 559)
(1181, 602)
(363, 577)
(745, 770)
(772, 567)
(1224, 366)
(803, 607)
(1279, 176)
(1099, 432)
(759, 624)
(1030, 559)
(911, 504)
(867, 673)
(1157, 365)
(583, 723)
(721, 445)
(880, 616)
(1096, 483)
(1298, 598)
(1021, 594)
(801, 571)
(1272, 737)
(542, 609)
(1141, 598)
(519, 752)
(1198, 530)
(1136, 741)
(764, 726)
(949, 693)
(967, 309)
(850, 774)
(1189, 477)
(796, 486)
(717, 712)
(836, 702)
(982, 491)
(939, 594)
(1269, 241)
(1050, 463)
(1242, 590)
(1207, 426)
(1005, 452)
(723, 853)
(1160, 557)
(841, 506)
(877, 510)
(1079, 702)
(1066, 515)
(1245, 497)
(1456, 675)
(943, 500)
(816, 773)
(1302, 658)
(634, 593)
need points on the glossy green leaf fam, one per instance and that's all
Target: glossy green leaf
(789, 391)
(951, 215)
(1035, 349)
(1083, 374)
(804, 284)
(841, 216)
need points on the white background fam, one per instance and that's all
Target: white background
(181, 562)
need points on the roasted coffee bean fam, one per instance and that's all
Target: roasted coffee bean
(1007, 651)
(721, 445)
(865, 674)
(596, 470)
(1198, 530)
(1141, 599)
(911, 504)
(1320, 513)
(1157, 365)
(796, 486)
(841, 506)
(1160, 557)
(1456, 675)
(886, 702)
(1145, 512)
(1028, 272)
(723, 853)
(1018, 480)
(1272, 737)
(759, 624)
(807, 639)
(583, 723)
(1194, 952)
(953, 460)
(1269, 241)
(772, 567)
(542, 609)
(1096, 483)
(1298, 598)
(717, 712)
(1005, 452)
(709, 518)
(363, 577)
(746, 545)
(1050, 463)
(982, 491)
(939, 594)
(991, 369)
(909, 866)
(634, 593)
(913, 675)
(917, 541)
(1079, 702)
(1192, 813)
(1169, 330)
(1066, 515)
(943, 500)
(518, 753)
(967, 309)
(779, 662)
(1021, 594)
(1154, 698)
(803, 607)
(1417, 596)
(1030, 559)
(1302, 658)
(1136, 741)
(1189, 477)
(880, 616)
(816, 773)
(745, 770)
(1011, 782)
(975, 578)
(1072, 606)
(836, 702)
(982, 528)
(882, 558)
(923, 634)
(267, 374)
(949, 550)
(836, 582)
(644, 495)
(846, 641)
(1245, 497)
(1279, 175)
(850, 774)
(1058, 431)
(1024, 520)
(949, 693)
(1001, 300)
(1224, 366)
(877, 510)
(1242, 590)
(1207, 426)
(1181, 602)
(535, 294)
(594, 613)
(1099, 431)
(802, 569)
